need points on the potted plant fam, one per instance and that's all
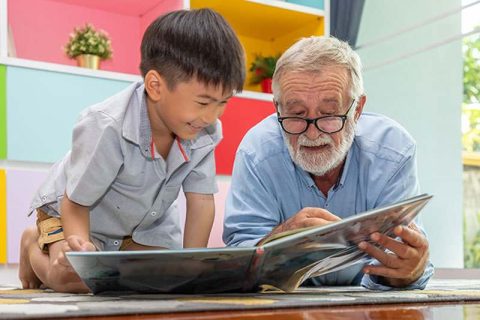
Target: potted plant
(263, 68)
(88, 46)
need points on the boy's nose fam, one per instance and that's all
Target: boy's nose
(210, 116)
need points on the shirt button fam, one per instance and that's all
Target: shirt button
(153, 213)
(116, 242)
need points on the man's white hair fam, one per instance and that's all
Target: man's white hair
(314, 53)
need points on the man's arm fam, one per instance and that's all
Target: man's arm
(252, 211)
(406, 261)
(199, 219)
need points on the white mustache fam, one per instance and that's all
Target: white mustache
(320, 141)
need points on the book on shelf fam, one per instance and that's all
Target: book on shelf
(282, 262)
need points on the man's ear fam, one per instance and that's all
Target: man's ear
(275, 103)
(155, 85)
(361, 102)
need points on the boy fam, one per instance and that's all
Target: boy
(115, 190)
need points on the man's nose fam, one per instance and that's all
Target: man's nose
(312, 132)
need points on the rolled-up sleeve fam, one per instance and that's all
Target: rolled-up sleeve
(202, 178)
(95, 159)
(250, 206)
(402, 184)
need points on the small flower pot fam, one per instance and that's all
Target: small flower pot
(88, 61)
(266, 85)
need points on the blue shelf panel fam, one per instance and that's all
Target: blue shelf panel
(42, 107)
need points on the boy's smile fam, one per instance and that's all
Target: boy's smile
(185, 110)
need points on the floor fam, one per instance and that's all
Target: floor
(9, 275)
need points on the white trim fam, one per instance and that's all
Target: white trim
(326, 17)
(47, 66)
(54, 67)
(25, 165)
(3, 29)
(255, 95)
(426, 48)
(415, 26)
(186, 4)
(290, 6)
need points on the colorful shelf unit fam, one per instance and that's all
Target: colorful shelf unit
(267, 27)
(42, 92)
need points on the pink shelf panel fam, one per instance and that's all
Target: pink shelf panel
(41, 27)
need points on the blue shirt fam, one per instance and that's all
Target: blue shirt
(268, 188)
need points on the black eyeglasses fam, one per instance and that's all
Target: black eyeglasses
(326, 124)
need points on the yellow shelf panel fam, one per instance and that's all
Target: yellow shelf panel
(258, 20)
(265, 27)
(3, 217)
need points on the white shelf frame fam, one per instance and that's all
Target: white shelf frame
(290, 6)
(3, 29)
(54, 67)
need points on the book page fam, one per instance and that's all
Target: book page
(292, 257)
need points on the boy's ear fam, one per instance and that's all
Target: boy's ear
(154, 85)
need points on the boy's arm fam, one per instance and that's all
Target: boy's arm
(199, 219)
(76, 225)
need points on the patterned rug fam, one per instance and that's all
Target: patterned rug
(35, 304)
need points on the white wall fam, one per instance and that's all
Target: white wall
(424, 93)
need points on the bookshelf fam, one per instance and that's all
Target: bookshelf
(42, 91)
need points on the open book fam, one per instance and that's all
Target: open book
(282, 262)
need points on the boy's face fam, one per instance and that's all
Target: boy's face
(187, 109)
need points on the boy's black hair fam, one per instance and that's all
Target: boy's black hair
(199, 43)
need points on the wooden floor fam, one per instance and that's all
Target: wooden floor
(386, 312)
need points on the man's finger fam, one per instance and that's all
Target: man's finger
(388, 260)
(401, 249)
(320, 213)
(411, 236)
(382, 271)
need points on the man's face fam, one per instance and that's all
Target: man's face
(309, 95)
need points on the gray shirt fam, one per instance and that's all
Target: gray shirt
(110, 169)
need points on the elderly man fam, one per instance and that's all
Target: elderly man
(320, 159)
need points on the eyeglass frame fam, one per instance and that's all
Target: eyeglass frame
(309, 121)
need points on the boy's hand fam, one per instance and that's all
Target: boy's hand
(77, 243)
(74, 243)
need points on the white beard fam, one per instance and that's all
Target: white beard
(323, 161)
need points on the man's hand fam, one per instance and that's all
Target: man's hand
(407, 260)
(307, 217)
